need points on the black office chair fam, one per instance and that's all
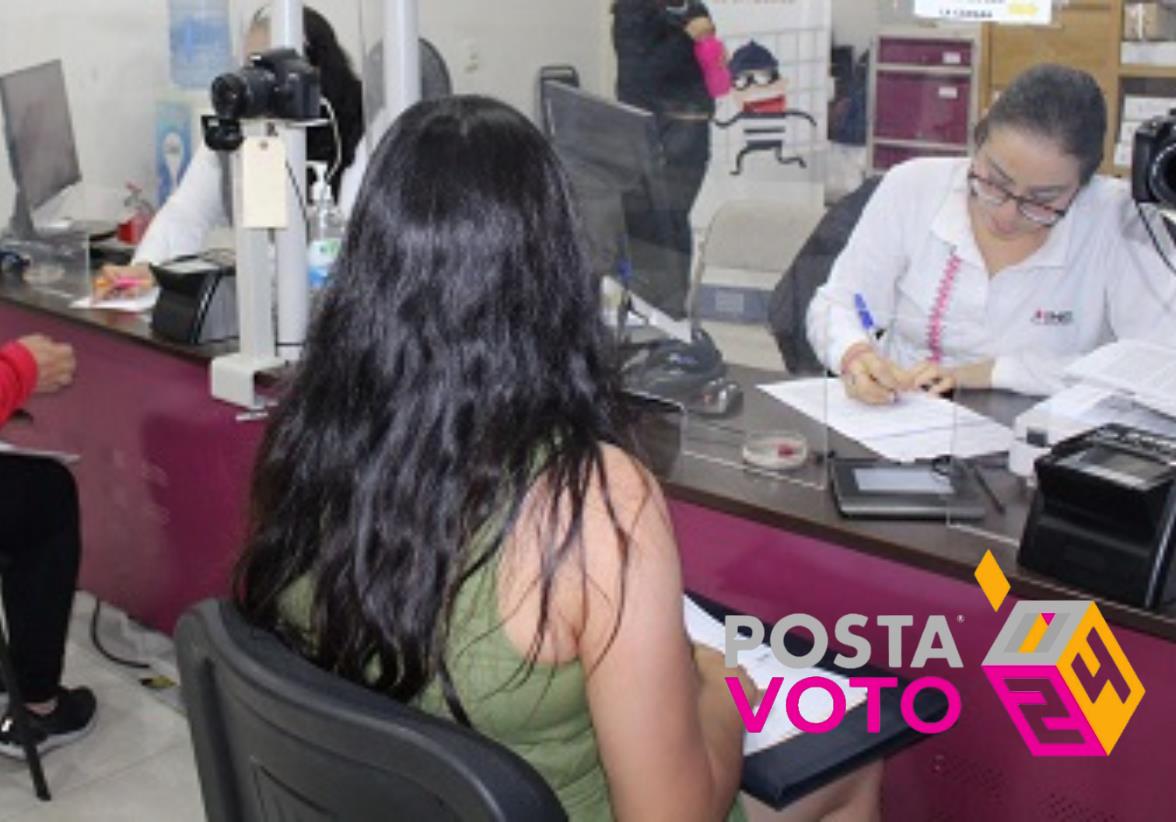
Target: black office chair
(277, 738)
(566, 74)
(20, 715)
(435, 78)
(809, 271)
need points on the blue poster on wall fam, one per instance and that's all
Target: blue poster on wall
(201, 46)
(173, 145)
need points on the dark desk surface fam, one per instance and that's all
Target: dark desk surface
(707, 471)
(55, 298)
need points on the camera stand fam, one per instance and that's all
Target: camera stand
(233, 376)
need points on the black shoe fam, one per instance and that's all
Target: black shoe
(72, 719)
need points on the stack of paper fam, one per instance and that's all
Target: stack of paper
(1127, 382)
(916, 426)
(1143, 372)
(761, 665)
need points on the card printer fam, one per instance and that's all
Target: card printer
(197, 299)
(1104, 515)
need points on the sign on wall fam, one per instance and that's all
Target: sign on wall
(1032, 12)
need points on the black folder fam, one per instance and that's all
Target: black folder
(787, 771)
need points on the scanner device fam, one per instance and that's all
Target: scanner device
(197, 299)
(1104, 515)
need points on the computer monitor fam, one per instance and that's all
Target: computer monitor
(613, 156)
(40, 139)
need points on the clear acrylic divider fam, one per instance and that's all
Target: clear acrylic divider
(777, 433)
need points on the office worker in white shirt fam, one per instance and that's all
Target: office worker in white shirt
(202, 200)
(998, 270)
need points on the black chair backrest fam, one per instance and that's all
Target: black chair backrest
(435, 78)
(566, 74)
(278, 739)
(808, 272)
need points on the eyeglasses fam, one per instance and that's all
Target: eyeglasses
(994, 194)
(759, 77)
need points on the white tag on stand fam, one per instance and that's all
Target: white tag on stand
(263, 182)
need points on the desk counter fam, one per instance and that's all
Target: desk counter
(164, 477)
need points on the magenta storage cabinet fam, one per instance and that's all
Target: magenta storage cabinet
(922, 96)
(917, 51)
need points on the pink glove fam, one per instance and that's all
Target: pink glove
(712, 59)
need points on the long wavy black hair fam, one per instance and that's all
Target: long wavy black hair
(457, 356)
(340, 84)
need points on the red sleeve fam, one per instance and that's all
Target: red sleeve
(18, 378)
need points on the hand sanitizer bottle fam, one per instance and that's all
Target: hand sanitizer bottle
(326, 230)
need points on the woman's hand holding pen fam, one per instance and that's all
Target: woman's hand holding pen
(871, 378)
(122, 282)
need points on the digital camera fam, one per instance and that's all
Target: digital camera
(1153, 162)
(279, 83)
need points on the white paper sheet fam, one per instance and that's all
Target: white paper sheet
(917, 426)
(1144, 371)
(761, 665)
(61, 456)
(133, 305)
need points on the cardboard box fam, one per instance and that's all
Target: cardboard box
(1148, 21)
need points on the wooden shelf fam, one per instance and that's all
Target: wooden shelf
(1142, 70)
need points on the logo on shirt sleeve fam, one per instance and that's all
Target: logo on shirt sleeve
(1053, 318)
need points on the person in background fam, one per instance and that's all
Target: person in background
(670, 63)
(996, 271)
(40, 543)
(203, 199)
(443, 506)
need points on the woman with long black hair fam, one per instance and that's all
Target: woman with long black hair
(443, 509)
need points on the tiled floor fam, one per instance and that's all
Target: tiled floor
(135, 765)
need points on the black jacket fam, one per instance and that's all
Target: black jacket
(656, 68)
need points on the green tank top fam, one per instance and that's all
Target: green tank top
(541, 714)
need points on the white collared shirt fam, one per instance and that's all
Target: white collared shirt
(198, 205)
(914, 260)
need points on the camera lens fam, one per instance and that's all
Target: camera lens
(1162, 174)
(242, 94)
(228, 95)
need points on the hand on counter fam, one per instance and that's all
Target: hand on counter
(55, 362)
(123, 282)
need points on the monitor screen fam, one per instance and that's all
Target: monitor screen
(612, 153)
(39, 133)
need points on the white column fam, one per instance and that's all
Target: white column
(402, 56)
(293, 285)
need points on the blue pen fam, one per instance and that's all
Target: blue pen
(867, 321)
(864, 315)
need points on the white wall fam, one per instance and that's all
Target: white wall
(116, 62)
(513, 39)
(493, 48)
(855, 22)
(115, 59)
